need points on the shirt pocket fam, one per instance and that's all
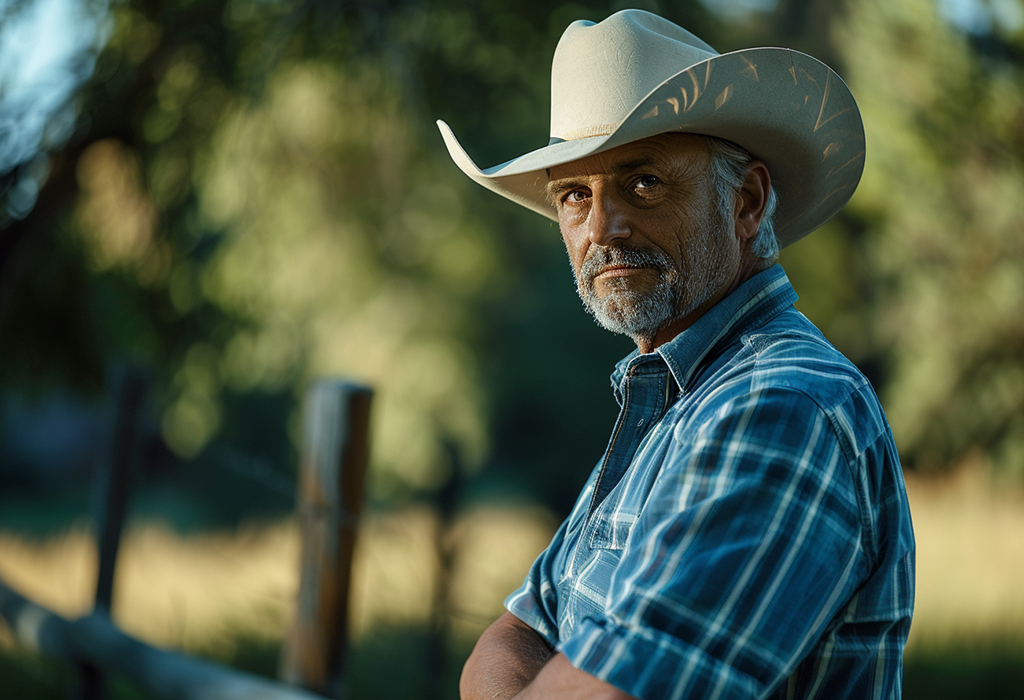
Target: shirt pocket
(611, 528)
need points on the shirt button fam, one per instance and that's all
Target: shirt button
(640, 424)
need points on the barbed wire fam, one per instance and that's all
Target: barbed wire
(256, 469)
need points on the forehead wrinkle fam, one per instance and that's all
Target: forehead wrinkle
(634, 164)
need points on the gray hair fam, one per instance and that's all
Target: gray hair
(729, 169)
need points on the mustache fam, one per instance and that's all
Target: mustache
(605, 257)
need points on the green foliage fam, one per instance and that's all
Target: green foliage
(941, 201)
(347, 251)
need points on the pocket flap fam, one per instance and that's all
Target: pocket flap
(611, 529)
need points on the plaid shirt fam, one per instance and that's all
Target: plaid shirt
(747, 532)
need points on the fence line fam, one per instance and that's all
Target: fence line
(335, 452)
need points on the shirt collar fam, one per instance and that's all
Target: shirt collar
(749, 306)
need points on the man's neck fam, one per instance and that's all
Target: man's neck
(673, 328)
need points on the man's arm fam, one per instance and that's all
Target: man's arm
(511, 660)
(508, 655)
(560, 680)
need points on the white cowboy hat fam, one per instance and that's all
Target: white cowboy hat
(636, 75)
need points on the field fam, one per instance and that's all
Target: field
(228, 594)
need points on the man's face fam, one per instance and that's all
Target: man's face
(647, 242)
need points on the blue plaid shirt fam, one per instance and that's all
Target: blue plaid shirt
(746, 533)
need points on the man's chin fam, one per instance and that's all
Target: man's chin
(629, 314)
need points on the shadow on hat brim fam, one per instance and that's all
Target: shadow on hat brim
(788, 109)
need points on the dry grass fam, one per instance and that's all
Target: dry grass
(202, 592)
(188, 592)
(970, 561)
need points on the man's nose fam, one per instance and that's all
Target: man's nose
(607, 223)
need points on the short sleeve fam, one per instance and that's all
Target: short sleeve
(749, 544)
(536, 601)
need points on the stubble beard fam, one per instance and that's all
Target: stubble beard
(678, 291)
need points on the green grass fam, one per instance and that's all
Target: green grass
(26, 676)
(956, 676)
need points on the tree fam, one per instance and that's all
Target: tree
(941, 205)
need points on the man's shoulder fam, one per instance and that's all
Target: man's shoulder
(788, 361)
(789, 352)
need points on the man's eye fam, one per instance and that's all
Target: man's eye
(646, 182)
(576, 196)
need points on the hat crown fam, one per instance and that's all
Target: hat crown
(601, 71)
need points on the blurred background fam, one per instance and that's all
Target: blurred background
(234, 197)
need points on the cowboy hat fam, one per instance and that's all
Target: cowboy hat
(636, 75)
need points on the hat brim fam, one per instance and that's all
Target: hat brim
(788, 109)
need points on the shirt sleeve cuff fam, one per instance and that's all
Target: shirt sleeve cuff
(650, 664)
(525, 607)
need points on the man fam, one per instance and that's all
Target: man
(746, 533)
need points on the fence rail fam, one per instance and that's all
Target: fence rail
(163, 674)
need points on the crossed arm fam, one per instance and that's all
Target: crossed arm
(512, 661)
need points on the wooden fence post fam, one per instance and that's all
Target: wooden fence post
(335, 450)
(112, 484)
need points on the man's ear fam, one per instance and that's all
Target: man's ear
(751, 200)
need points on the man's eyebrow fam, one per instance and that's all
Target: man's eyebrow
(635, 164)
(556, 188)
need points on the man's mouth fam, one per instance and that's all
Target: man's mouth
(620, 268)
(618, 271)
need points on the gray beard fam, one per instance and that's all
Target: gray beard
(677, 293)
